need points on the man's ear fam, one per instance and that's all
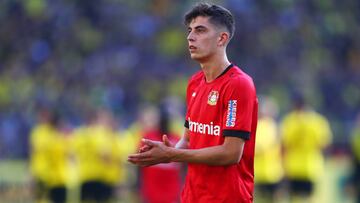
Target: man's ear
(223, 39)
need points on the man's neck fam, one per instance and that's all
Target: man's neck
(213, 68)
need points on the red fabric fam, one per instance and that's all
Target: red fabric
(207, 111)
(161, 183)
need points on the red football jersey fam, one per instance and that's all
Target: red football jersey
(227, 106)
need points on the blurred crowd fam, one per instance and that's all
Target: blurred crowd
(77, 56)
(293, 158)
(88, 164)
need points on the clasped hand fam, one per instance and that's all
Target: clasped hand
(153, 152)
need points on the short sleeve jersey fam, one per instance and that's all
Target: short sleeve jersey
(227, 106)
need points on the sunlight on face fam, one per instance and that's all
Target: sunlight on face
(202, 38)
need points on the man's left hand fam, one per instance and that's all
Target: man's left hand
(155, 153)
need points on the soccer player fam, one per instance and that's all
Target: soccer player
(49, 158)
(268, 159)
(305, 136)
(221, 118)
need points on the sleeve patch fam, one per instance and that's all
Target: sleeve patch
(231, 113)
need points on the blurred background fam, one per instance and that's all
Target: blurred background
(81, 81)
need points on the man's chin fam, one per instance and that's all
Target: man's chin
(195, 57)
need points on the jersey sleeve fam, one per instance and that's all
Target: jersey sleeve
(239, 101)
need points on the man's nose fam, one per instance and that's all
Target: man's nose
(190, 37)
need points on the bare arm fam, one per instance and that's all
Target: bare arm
(229, 152)
(183, 143)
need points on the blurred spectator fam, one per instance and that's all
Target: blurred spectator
(39, 142)
(355, 143)
(50, 158)
(268, 159)
(160, 183)
(305, 134)
(98, 154)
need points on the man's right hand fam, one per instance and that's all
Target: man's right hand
(165, 140)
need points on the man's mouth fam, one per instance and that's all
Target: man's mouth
(192, 48)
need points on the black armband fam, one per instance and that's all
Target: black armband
(237, 133)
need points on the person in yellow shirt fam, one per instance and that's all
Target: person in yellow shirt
(59, 162)
(99, 155)
(49, 158)
(268, 160)
(39, 142)
(305, 134)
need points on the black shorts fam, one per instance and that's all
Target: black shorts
(96, 191)
(301, 187)
(267, 187)
(57, 194)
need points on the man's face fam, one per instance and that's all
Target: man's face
(202, 39)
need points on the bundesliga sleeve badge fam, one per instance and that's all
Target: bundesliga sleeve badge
(213, 97)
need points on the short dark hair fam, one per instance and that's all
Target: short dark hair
(218, 15)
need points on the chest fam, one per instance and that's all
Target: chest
(207, 103)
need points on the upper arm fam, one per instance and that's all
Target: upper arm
(239, 103)
(234, 146)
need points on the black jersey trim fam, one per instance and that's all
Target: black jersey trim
(186, 124)
(237, 133)
(226, 70)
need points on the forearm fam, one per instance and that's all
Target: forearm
(182, 144)
(216, 155)
(228, 153)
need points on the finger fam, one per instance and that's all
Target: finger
(132, 161)
(166, 140)
(149, 142)
(140, 162)
(139, 155)
(144, 148)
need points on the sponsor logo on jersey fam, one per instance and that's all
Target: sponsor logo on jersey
(231, 113)
(213, 97)
(202, 128)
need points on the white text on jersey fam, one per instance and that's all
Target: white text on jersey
(202, 128)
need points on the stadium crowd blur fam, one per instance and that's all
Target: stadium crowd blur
(77, 56)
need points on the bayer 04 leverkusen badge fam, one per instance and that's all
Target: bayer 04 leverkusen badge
(213, 97)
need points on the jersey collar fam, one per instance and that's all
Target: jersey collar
(226, 70)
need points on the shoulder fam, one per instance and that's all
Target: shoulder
(289, 117)
(317, 117)
(239, 79)
(195, 79)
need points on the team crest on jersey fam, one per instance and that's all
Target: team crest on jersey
(231, 113)
(213, 97)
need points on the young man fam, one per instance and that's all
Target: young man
(219, 138)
